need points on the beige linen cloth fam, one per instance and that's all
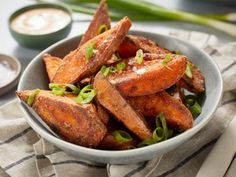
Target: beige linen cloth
(24, 154)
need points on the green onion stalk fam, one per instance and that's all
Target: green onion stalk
(141, 10)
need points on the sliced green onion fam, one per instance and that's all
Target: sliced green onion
(86, 95)
(113, 69)
(188, 70)
(31, 98)
(158, 134)
(164, 125)
(58, 91)
(102, 29)
(139, 56)
(120, 66)
(193, 105)
(89, 51)
(122, 136)
(105, 70)
(166, 60)
(146, 142)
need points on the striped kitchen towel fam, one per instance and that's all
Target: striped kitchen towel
(24, 154)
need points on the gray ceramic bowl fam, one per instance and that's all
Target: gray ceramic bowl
(35, 77)
(16, 67)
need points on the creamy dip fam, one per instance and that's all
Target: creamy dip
(6, 73)
(40, 21)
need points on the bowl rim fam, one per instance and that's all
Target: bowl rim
(131, 152)
(38, 6)
(18, 69)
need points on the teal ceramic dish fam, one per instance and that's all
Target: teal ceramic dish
(35, 76)
(33, 38)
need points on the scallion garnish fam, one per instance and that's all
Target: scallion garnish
(146, 142)
(113, 69)
(89, 51)
(166, 60)
(139, 56)
(188, 70)
(58, 89)
(193, 105)
(86, 95)
(158, 134)
(105, 70)
(120, 66)
(31, 98)
(102, 29)
(164, 125)
(122, 136)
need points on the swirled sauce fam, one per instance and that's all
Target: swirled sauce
(40, 21)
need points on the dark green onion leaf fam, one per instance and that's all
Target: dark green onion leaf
(122, 136)
(58, 89)
(158, 134)
(102, 28)
(89, 51)
(193, 105)
(164, 125)
(53, 85)
(30, 99)
(113, 69)
(188, 70)
(139, 56)
(86, 95)
(146, 142)
(120, 66)
(74, 88)
(105, 70)
(166, 60)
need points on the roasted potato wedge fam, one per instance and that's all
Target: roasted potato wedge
(101, 17)
(149, 77)
(176, 114)
(76, 123)
(76, 67)
(52, 63)
(112, 100)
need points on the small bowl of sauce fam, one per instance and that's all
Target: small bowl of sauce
(10, 69)
(40, 25)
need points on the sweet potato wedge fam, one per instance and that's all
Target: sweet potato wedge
(76, 123)
(196, 84)
(112, 100)
(175, 112)
(147, 45)
(51, 63)
(75, 67)
(149, 77)
(101, 17)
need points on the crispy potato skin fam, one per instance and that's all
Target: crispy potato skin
(78, 124)
(176, 114)
(75, 67)
(101, 17)
(127, 48)
(196, 84)
(110, 143)
(52, 63)
(149, 77)
(112, 100)
(147, 45)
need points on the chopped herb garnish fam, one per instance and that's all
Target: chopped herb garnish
(105, 70)
(31, 98)
(139, 56)
(166, 60)
(193, 105)
(164, 125)
(59, 89)
(146, 142)
(120, 66)
(188, 70)
(122, 136)
(86, 95)
(113, 69)
(89, 51)
(102, 29)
